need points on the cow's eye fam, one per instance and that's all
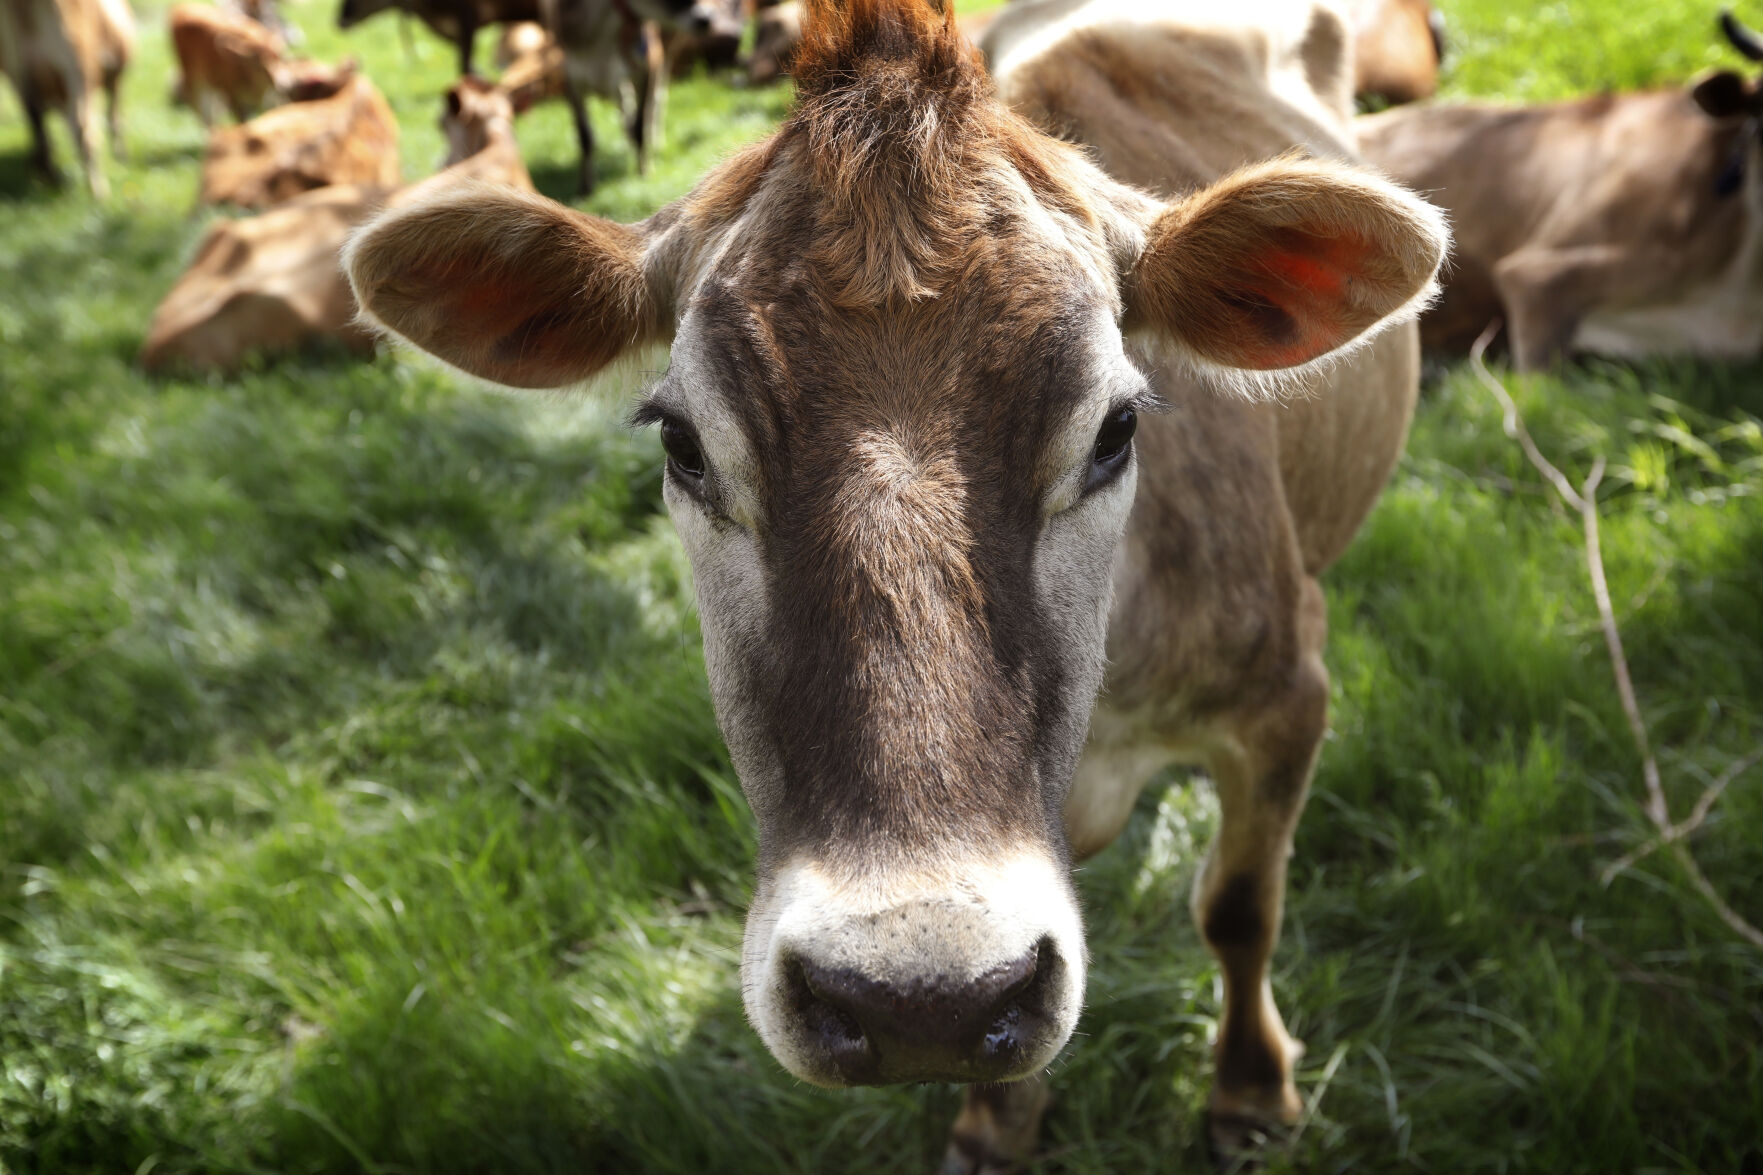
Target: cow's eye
(1113, 445)
(684, 456)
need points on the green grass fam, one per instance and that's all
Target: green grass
(362, 808)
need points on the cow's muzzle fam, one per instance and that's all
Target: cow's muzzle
(975, 977)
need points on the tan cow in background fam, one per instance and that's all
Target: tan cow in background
(59, 54)
(350, 137)
(1398, 46)
(228, 60)
(1622, 224)
(271, 283)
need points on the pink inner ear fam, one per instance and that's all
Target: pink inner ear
(1297, 301)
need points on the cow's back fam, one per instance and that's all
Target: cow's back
(1170, 97)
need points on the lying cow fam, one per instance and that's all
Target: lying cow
(1398, 46)
(271, 283)
(59, 54)
(350, 137)
(913, 455)
(1624, 225)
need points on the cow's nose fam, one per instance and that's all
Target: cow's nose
(930, 1029)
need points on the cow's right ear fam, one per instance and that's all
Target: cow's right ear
(1723, 95)
(505, 285)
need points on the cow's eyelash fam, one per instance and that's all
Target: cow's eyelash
(649, 411)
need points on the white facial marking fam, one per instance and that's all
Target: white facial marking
(961, 918)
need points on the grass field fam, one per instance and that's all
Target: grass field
(362, 808)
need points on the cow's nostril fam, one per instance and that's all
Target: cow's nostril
(831, 1027)
(924, 1028)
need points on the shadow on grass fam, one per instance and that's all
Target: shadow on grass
(20, 182)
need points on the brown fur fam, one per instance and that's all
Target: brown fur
(348, 138)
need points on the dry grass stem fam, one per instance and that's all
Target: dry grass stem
(1585, 500)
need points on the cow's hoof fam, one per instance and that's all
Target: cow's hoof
(1243, 1142)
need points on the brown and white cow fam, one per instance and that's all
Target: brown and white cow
(350, 137)
(272, 283)
(917, 455)
(59, 54)
(1623, 224)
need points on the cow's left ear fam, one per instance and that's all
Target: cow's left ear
(1281, 263)
(508, 286)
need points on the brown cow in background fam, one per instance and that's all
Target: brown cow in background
(272, 283)
(59, 53)
(1398, 46)
(350, 137)
(1623, 224)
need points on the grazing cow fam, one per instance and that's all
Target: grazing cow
(1398, 46)
(350, 137)
(918, 348)
(618, 51)
(1624, 225)
(455, 20)
(272, 282)
(226, 59)
(59, 53)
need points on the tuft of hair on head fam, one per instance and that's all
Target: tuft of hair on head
(881, 79)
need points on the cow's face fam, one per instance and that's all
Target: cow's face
(898, 421)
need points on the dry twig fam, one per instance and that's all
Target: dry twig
(1585, 500)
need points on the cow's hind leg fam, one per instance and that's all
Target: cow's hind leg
(82, 118)
(584, 135)
(113, 113)
(996, 1130)
(1260, 761)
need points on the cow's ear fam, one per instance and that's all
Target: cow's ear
(1281, 263)
(1723, 95)
(508, 286)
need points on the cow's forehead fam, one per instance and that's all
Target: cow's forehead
(976, 367)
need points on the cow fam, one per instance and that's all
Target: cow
(350, 137)
(1398, 46)
(229, 60)
(916, 452)
(59, 54)
(271, 283)
(1624, 225)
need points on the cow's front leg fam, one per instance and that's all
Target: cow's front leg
(997, 1127)
(1261, 764)
(1547, 294)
